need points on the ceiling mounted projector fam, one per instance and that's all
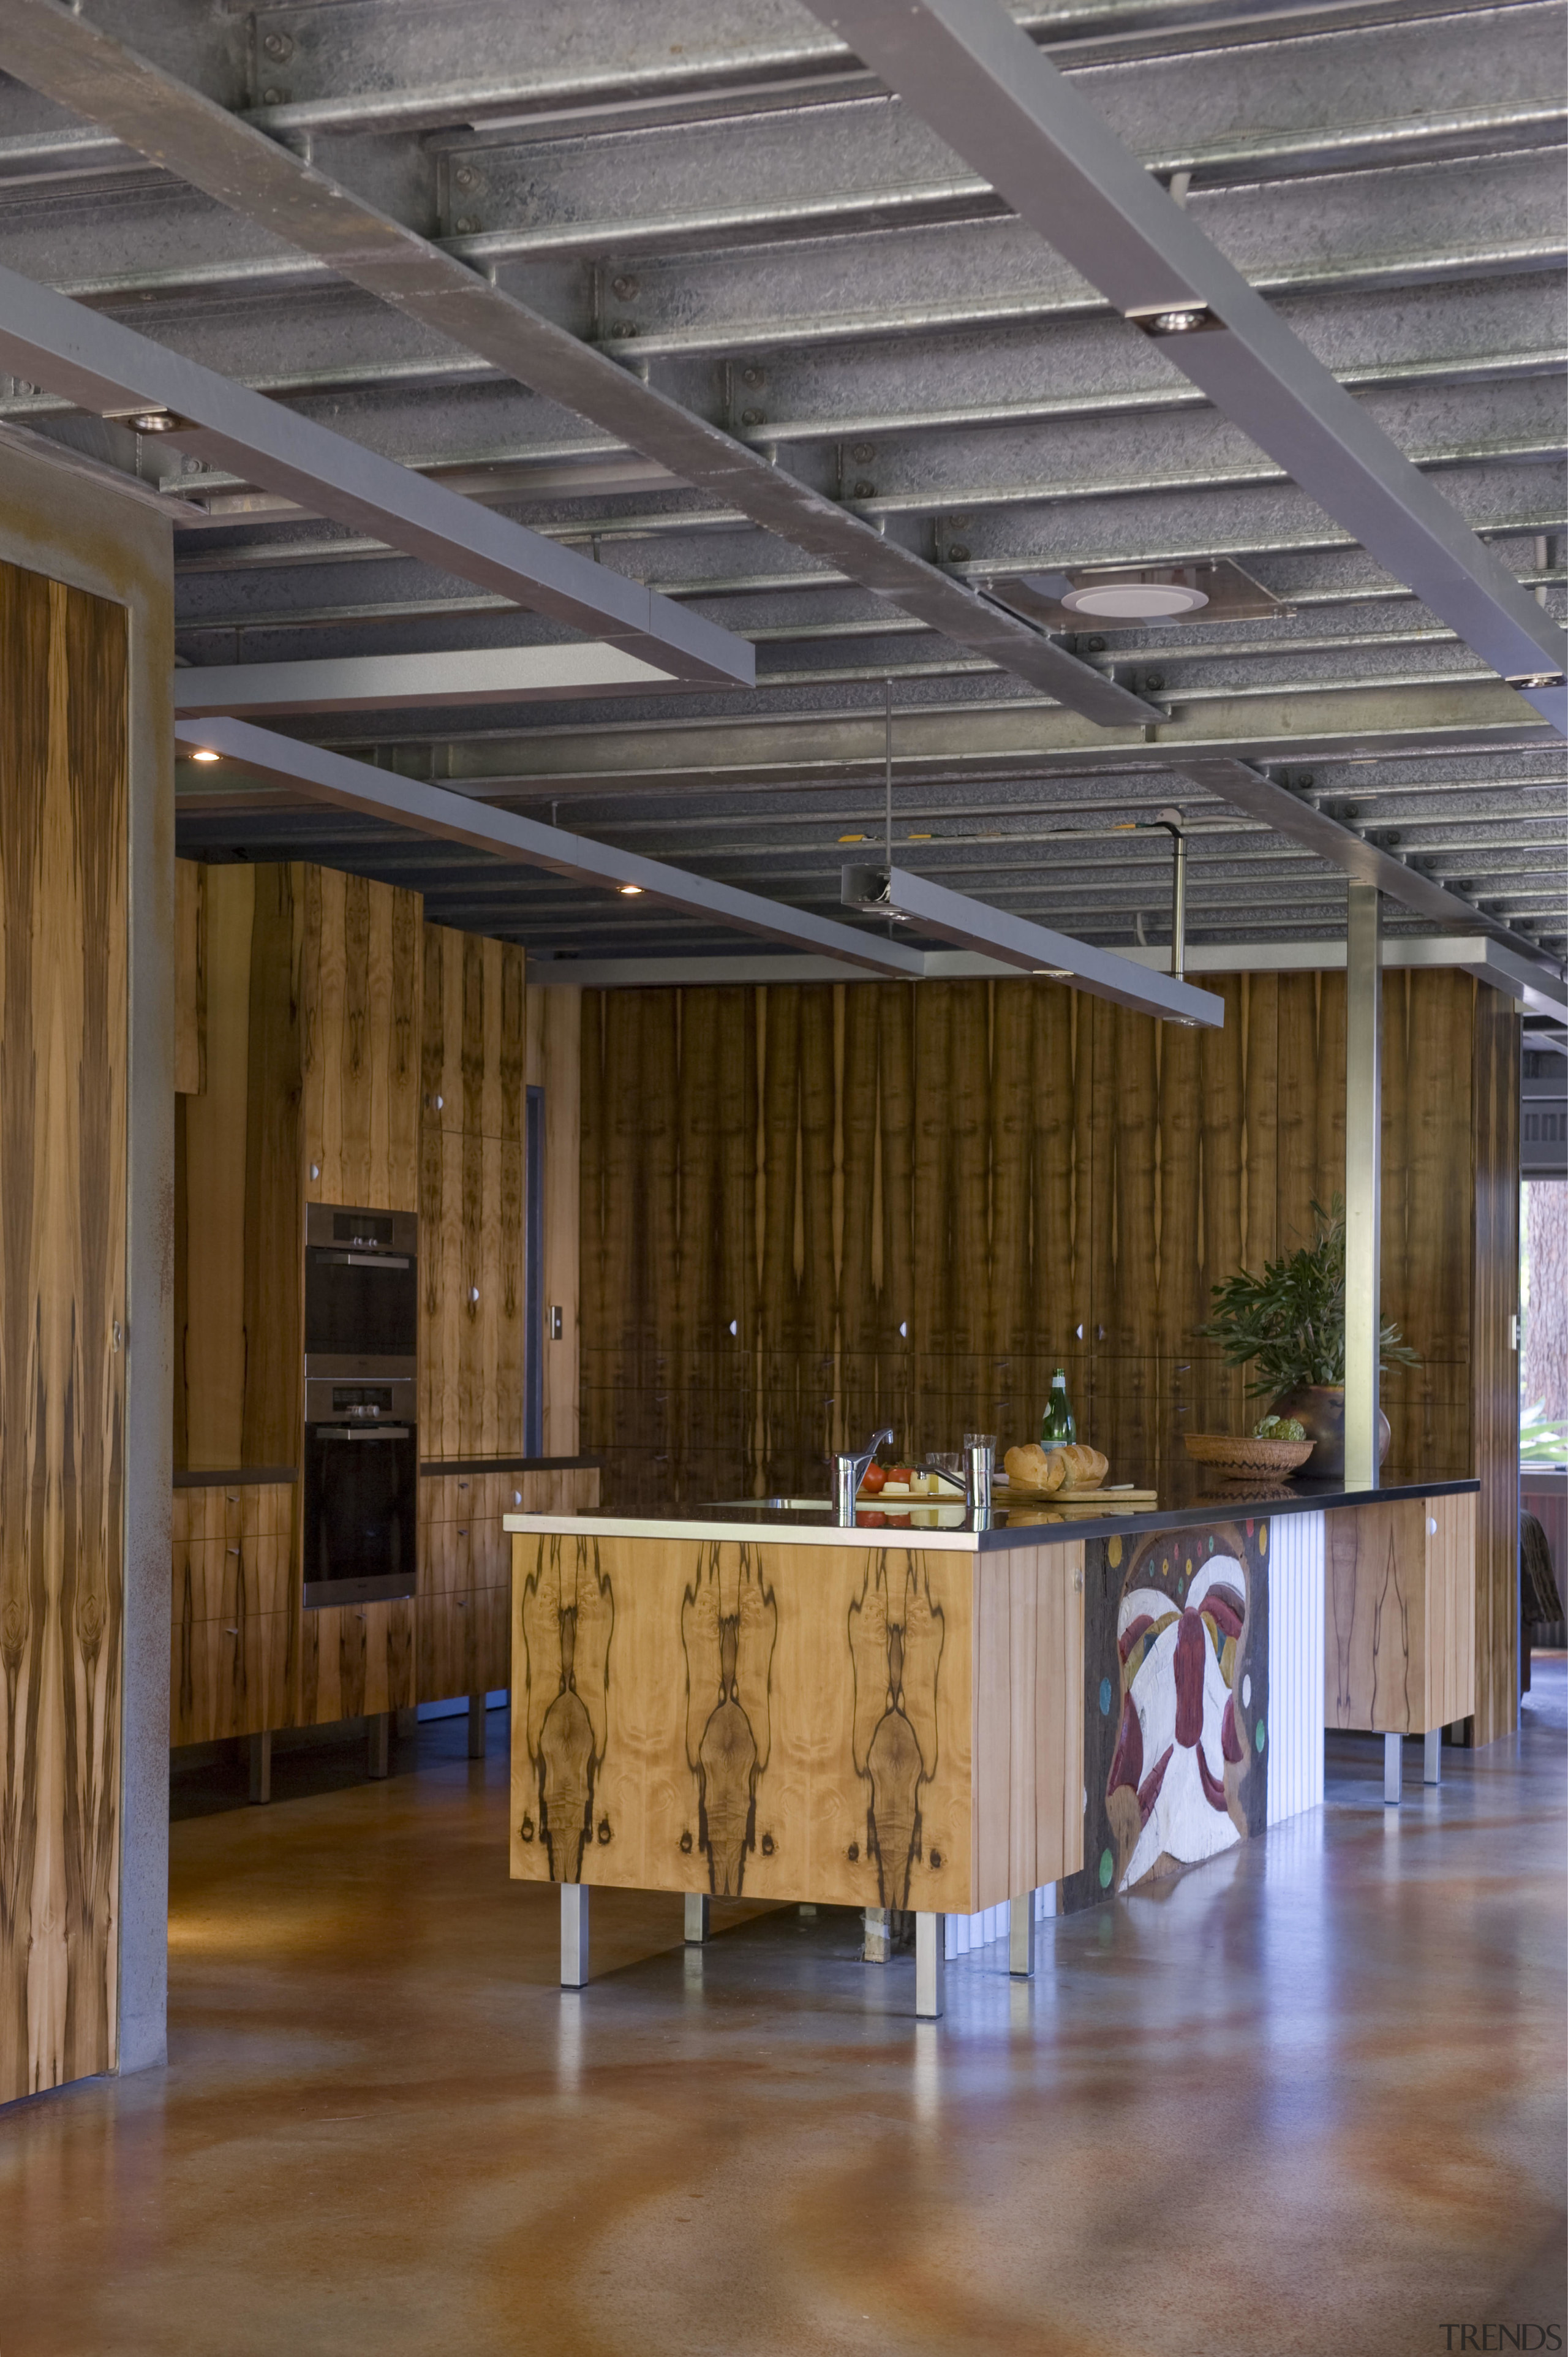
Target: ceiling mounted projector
(1135, 602)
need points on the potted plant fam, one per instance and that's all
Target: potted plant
(1291, 1322)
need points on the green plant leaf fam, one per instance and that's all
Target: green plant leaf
(1290, 1320)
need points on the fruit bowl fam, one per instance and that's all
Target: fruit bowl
(1238, 1456)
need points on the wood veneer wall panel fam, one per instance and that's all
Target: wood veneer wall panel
(1007, 1169)
(64, 942)
(189, 977)
(1494, 1365)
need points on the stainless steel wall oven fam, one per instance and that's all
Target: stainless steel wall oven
(362, 1439)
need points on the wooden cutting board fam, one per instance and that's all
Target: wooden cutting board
(1074, 1494)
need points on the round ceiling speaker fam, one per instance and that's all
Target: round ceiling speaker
(1135, 602)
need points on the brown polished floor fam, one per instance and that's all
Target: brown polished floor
(1309, 2100)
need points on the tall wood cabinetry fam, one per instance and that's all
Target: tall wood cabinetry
(311, 1008)
(334, 1047)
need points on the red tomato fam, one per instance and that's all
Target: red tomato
(873, 1479)
(901, 1473)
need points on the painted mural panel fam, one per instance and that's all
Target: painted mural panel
(1175, 1703)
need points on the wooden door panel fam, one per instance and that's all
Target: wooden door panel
(354, 1660)
(447, 1639)
(228, 1677)
(361, 990)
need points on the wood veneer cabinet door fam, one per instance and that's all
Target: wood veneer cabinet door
(1399, 1655)
(359, 986)
(63, 1000)
(228, 1677)
(471, 1196)
(356, 1660)
(864, 1727)
(234, 1617)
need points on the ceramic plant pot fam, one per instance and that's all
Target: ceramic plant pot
(1319, 1409)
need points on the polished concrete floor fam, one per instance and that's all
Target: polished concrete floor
(1309, 2099)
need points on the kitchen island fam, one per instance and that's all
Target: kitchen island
(923, 1714)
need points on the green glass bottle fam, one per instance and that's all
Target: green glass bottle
(1058, 1426)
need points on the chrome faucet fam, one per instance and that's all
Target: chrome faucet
(849, 1472)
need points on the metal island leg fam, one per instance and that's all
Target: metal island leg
(696, 1918)
(1432, 1756)
(930, 1967)
(1021, 1937)
(573, 1934)
(1393, 1769)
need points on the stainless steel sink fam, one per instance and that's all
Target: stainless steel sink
(779, 1505)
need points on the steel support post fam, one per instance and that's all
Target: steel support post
(378, 1743)
(1363, 1180)
(696, 1918)
(260, 1747)
(1432, 1756)
(476, 1726)
(573, 1934)
(930, 1967)
(1021, 1936)
(1393, 1769)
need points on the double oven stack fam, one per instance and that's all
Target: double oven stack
(361, 1440)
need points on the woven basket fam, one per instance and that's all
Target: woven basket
(1237, 1457)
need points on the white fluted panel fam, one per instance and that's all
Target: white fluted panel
(1293, 1725)
(967, 1932)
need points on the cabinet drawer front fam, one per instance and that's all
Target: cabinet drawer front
(447, 1645)
(225, 1579)
(228, 1677)
(354, 1660)
(444, 1562)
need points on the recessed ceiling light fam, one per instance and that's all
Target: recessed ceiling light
(1135, 602)
(203, 755)
(630, 891)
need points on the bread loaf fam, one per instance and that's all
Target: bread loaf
(1083, 1468)
(1074, 1467)
(1034, 1467)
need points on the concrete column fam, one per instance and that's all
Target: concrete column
(1363, 1180)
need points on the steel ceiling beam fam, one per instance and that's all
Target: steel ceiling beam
(1535, 988)
(109, 371)
(332, 778)
(82, 67)
(977, 80)
(1029, 948)
(476, 676)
